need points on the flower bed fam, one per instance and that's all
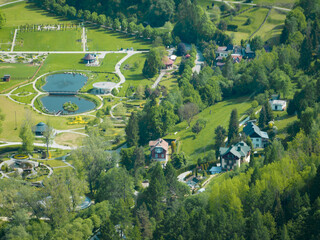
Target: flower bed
(21, 156)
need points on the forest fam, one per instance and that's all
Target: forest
(275, 196)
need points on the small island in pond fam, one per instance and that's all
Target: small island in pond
(70, 107)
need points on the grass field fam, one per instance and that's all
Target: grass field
(101, 39)
(9, 109)
(272, 29)
(19, 72)
(69, 40)
(169, 81)
(56, 62)
(279, 3)
(197, 145)
(133, 75)
(69, 139)
(27, 13)
(244, 31)
(282, 123)
(6, 37)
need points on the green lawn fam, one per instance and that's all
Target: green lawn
(169, 81)
(279, 3)
(69, 40)
(53, 163)
(132, 70)
(244, 31)
(25, 89)
(272, 29)
(282, 123)
(24, 99)
(19, 72)
(10, 109)
(99, 77)
(197, 145)
(56, 62)
(27, 13)
(6, 37)
(106, 40)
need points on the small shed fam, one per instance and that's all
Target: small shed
(215, 170)
(6, 78)
(40, 128)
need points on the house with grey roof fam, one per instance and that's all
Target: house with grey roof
(234, 156)
(259, 138)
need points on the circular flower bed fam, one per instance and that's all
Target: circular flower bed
(70, 107)
(20, 156)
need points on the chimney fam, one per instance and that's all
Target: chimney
(239, 149)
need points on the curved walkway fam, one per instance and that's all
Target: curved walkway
(252, 4)
(5, 4)
(118, 65)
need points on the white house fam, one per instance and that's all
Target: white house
(278, 105)
(259, 138)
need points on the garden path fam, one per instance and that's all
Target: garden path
(251, 4)
(14, 40)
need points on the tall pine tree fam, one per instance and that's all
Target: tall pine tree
(233, 134)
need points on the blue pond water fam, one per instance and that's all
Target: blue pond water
(64, 82)
(54, 103)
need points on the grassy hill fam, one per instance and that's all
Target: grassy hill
(219, 114)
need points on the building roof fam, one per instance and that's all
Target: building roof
(278, 102)
(158, 143)
(239, 150)
(215, 169)
(248, 49)
(40, 127)
(167, 61)
(251, 128)
(220, 64)
(222, 49)
(104, 85)
(219, 58)
(173, 57)
(89, 56)
(236, 57)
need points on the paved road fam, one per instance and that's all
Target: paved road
(11, 3)
(162, 73)
(84, 39)
(118, 66)
(53, 145)
(199, 61)
(251, 4)
(14, 40)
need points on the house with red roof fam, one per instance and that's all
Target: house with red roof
(159, 151)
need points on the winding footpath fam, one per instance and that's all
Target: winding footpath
(251, 4)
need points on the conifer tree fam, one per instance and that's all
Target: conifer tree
(233, 133)
(132, 130)
(262, 117)
(306, 53)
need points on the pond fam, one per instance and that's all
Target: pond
(63, 88)
(54, 103)
(65, 82)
